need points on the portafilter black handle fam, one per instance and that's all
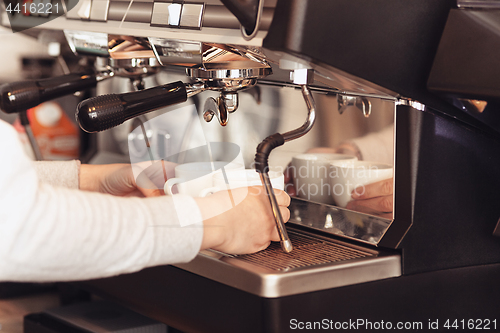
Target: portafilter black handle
(20, 96)
(104, 112)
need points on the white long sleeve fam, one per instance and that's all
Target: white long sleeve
(59, 173)
(377, 146)
(50, 233)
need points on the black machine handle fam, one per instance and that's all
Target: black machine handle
(104, 112)
(19, 96)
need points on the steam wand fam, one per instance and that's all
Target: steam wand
(262, 167)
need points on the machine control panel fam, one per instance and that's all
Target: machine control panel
(159, 13)
(172, 14)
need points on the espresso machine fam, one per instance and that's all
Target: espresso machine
(436, 260)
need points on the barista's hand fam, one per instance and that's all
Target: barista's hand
(119, 179)
(375, 198)
(246, 228)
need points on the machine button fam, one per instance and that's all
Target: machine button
(191, 16)
(166, 14)
(80, 11)
(99, 10)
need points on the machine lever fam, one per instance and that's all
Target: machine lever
(20, 96)
(104, 112)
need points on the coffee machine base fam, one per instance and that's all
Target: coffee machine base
(191, 303)
(316, 263)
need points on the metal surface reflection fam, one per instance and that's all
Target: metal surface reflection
(338, 221)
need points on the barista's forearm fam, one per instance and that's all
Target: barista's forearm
(58, 173)
(66, 234)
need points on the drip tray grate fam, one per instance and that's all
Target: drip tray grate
(307, 252)
(316, 263)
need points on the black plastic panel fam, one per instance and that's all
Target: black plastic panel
(391, 43)
(44, 323)
(466, 62)
(452, 174)
(466, 65)
(195, 304)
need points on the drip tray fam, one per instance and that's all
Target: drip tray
(306, 252)
(316, 263)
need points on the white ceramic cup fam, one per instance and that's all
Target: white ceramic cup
(311, 175)
(242, 178)
(192, 178)
(346, 177)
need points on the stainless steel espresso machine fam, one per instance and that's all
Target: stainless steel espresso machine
(435, 261)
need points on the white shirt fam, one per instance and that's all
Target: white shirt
(377, 146)
(51, 233)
